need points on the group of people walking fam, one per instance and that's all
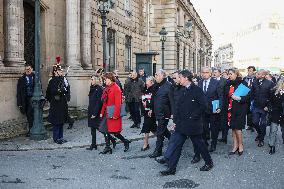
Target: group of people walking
(200, 107)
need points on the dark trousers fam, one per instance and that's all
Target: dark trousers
(70, 120)
(162, 132)
(176, 143)
(108, 137)
(211, 124)
(134, 109)
(30, 113)
(200, 148)
(57, 131)
(259, 119)
(94, 135)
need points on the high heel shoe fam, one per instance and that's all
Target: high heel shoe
(240, 152)
(146, 148)
(106, 150)
(126, 145)
(272, 150)
(233, 152)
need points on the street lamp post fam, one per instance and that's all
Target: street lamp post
(104, 10)
(38, 131)
(163, 37)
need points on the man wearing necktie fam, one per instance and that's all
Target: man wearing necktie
(211, 118)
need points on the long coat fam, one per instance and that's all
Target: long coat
(112, 96)
(133, 90)
(22, 93)
(239, 108)
(95, 106)
(56, 95)
(164, 100)
(276, 108)
(190, 108)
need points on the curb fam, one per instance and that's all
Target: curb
(68, 147)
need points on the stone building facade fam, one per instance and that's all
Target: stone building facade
(223, 56)
(72, 30)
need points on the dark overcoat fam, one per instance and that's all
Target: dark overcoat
(190, 108)
(276, 108)
(22, 93)
(164, 100)
(95, 106)
(239, 108)
(56, 94)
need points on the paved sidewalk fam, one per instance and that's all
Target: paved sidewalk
(78, 137)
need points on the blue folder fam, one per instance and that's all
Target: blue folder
(215, 105)
(242, 90)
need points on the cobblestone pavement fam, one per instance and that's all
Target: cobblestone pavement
(78, 136)
(79, 168)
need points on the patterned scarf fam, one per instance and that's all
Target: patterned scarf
(231, 91)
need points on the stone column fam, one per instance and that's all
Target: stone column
(73, 34)
(13, 33)
(86, 47)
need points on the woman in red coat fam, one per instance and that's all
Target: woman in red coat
(112, 96)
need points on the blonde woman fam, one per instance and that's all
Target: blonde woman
(236, 107)
(276, 114)
(149, 124)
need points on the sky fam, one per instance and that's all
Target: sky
(223, 18)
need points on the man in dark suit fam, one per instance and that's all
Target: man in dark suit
(223, 115)
(25, 89)
(163, 109)
(260, 93)
(190, 107)
(211, 118)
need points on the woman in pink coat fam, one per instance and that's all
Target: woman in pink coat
(112, 97)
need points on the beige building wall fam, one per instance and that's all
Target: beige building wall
(1, 32)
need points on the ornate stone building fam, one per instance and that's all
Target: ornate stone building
(72, 30)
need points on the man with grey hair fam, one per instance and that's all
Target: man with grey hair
(260, 93)
(163, 109)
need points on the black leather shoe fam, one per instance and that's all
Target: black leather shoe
(155, 154)
(169, 171)
(147, 148)
(133, 126)
(58, 141)
(260, 144)
(106, 151)
(195, 159)
(206, 167)
(240, 152)
(272, 150)
(161, 160)
(92, 146)
(126, 145)
(212, 148)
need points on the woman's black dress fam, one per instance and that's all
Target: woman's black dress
(149, 124)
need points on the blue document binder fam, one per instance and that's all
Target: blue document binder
(215, 105)
(242, 90)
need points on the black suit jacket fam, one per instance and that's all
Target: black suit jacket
(212, 93)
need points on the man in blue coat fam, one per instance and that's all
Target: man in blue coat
(211, 118)
(190, 107)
